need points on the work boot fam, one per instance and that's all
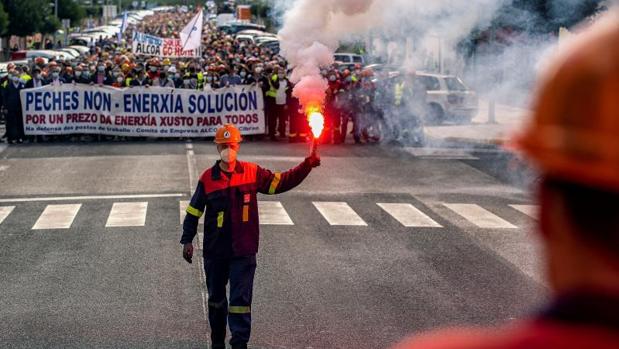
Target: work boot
(218, 346)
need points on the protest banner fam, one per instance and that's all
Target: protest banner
(149, 45)
(140, 111)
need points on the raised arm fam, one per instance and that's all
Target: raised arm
(279, 182)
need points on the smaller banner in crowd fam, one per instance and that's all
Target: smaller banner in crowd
(149, 45)
(140, 111)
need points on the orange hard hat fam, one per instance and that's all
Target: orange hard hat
(228, 133)
(573, 134)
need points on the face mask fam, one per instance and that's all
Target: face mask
(115, 73)
(186, 81)
(153, 69)
(119, 79)
(243, 74)
(178, 75)
(37, 76)
(166, 68)
(258, 70)
(101, 69)
(86, 74)
(171, 78)
(331, 78)
(209, 79)
(228, 155)
(78, 73)
(55, 75)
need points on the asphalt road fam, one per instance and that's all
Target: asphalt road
(338, 271)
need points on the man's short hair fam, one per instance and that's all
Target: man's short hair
(592, 211)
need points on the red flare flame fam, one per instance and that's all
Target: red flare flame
(315, 119)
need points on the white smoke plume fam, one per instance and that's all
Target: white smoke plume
(313, 29)
(311, 35)
(418, 34)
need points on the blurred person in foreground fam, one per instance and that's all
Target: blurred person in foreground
(573, 140)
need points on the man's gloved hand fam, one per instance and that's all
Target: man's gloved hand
(313, 160)
(188, 252)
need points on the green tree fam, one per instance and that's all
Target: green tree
(4, 20)
(71, 10)
(50, 25)
(27, 16)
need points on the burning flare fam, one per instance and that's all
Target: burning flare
(315, 119)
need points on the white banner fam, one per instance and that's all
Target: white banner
(141, 111)
(149, 45)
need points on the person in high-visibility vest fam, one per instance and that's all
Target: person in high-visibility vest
(270, 85)
(572, 139)
(226, 195)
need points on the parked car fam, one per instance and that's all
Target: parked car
(271, 45)
(245, 38)
(4, 66)
(349, 58)
(448, 98)
(233, 28)
(73, 52)
(32, 54)
(255, 33)
(81, 49)
(81, 40)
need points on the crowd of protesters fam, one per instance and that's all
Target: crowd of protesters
(225, 62)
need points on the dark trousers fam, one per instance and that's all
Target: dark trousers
(14, 125)
(240, 272)
(277, 120)
(298, 124)
(270, 112)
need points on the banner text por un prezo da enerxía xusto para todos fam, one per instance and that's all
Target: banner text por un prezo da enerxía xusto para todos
(141, 111)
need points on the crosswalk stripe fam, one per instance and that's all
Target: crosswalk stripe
(339, 213)
(57, 217)
(409, 215)
(529, 210)
(273, 213)
(479, 216)
(127, 214)
(5, 211)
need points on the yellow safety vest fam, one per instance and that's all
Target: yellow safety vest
(200, 84)
(128, 82)
(399, 93)
(272, 92)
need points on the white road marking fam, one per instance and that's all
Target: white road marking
(5, 211)
(273, 213)
(4, 168)
(94, 197)
(479, 216)
(127, 214)
(529, 210)
(339, 213)
(193, 174)
(409, 215)
(57, 217)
